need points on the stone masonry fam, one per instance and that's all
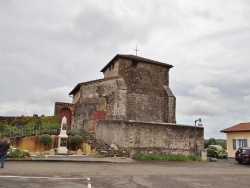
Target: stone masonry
(131, 90)
(134, 108)
(146, 137)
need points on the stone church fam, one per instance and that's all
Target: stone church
(132, 107)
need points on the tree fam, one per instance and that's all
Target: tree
(223, 143)
(77, 139)
(45, 139)
(212, 141)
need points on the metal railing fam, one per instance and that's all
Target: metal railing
(29, 131)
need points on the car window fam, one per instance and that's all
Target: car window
(219, 147)
(244, 151)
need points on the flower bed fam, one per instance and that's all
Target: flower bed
(17, 153)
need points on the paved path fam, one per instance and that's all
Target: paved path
(137, 174)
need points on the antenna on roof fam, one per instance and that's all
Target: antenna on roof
(136, 50)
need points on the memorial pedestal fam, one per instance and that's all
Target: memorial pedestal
(63, 138)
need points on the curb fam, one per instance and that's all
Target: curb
(74, 159)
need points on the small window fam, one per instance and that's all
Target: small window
(111, 67)
(134, 63)
(234, 144)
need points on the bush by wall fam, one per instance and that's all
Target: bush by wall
(166, 157)
(77, 139)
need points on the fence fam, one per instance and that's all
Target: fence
(34, 130)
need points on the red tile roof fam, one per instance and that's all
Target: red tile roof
(242, 127)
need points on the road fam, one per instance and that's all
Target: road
(223, 173)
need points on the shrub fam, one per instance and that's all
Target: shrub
(45, 139)
(17, 153)
(77, 139)
(167, 157)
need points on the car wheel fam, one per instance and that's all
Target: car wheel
(215, 155)
(240, 162)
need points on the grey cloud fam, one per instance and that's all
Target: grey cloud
(47, 47)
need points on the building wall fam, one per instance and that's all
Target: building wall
(145, 108)
(170, 102)
(113, 70)
(76, 97)
(236, 135)
(107, 95)
(150, 137)
(147, 98)
(140, 92)
(144, 78)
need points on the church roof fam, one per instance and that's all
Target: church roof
(78, 86)
(129, 57)
(137, 58)
(242, 127)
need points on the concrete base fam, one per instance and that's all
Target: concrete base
(51, 152)
(204, 155)
(79, 152)
(62, 150)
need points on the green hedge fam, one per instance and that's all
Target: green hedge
(166, 157)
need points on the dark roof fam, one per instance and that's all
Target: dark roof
(242, 127)
(137, 58)
(77, 87)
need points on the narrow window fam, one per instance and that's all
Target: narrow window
(244, 143)
(234, 144)
(134, 63)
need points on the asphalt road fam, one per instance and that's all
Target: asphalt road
(223, 173)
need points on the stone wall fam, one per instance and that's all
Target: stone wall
(145, 108)
(139, 91)
(108, 95)
(32, 144)
(144, 78)
(147, 96)
(144, 137)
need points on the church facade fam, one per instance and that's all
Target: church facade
(132, 107)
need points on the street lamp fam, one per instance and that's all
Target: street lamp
(199, 124)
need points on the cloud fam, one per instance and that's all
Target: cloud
(38, 101)
(246, 93)
(47, 47)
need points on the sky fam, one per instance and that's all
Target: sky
(48, 47)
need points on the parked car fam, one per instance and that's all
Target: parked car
(242, 155)
(216, 151)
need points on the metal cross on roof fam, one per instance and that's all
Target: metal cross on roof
(136, 50)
